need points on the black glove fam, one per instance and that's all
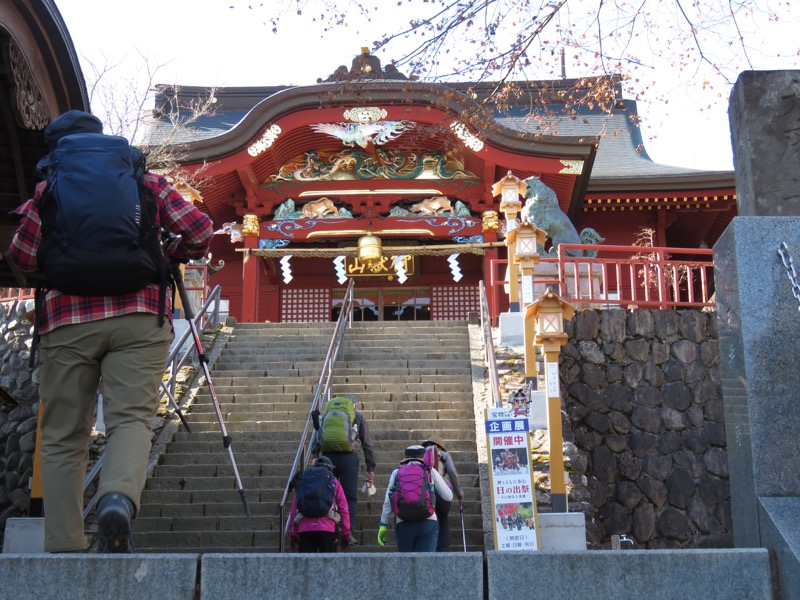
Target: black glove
(344, 541)
(315, 419)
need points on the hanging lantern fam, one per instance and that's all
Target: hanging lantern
(370, 251)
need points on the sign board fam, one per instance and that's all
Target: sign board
(515, 520)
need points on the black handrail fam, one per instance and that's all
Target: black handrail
(321, 395)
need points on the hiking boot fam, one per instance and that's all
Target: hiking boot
(114, 514)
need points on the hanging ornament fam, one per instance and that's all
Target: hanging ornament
(338, 264)
(286, 269)
(454, 268)
(399, 264)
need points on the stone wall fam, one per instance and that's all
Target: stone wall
(644, 410)
(18, 410)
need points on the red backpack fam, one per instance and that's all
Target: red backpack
(412, 494)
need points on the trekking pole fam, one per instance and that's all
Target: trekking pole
(177, 409)
(463, 533)
(177, 276)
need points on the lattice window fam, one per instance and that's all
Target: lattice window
(454, 303)
(304, 305)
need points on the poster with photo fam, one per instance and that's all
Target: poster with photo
(513, 495)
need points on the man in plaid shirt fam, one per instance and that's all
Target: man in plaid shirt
(116, 338)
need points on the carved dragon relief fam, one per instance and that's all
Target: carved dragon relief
(30, 108)
(351, 164)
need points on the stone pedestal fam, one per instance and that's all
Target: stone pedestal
(759, 334)
(24, 535)
(764, 116)
(759, 322)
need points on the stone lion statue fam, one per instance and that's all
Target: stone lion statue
(542, 209)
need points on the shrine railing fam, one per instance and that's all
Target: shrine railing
(618, 277)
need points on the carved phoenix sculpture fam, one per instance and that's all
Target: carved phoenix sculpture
(362, 134)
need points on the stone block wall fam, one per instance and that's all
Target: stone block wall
(18, 409)
(643, 408)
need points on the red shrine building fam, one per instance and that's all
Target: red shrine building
(305, 183)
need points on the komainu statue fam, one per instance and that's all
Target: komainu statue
(542, 209)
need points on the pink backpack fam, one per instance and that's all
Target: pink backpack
(412, 494)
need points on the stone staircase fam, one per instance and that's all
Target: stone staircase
(413, 379)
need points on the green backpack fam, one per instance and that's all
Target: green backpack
(338, 429)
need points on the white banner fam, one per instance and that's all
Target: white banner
(513, 495)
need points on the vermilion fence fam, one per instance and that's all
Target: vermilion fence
(618, 277)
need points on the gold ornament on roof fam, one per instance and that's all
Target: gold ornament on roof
(250, 225)
(365, 114)
(490, 221)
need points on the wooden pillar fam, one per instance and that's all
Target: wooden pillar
(558, 482)
(490, 227)
(250, 270)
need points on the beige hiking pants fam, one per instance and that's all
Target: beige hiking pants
(129, 353)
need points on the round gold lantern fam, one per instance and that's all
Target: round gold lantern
(369, 250)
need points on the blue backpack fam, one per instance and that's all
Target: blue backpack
(316, 492)
(99, 232)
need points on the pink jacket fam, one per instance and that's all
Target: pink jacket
(322, 523)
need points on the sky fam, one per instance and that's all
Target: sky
(225, 43)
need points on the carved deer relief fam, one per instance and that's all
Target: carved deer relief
(317, 209)
(433, 206)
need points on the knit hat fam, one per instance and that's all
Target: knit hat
(415, 452)
(73, 121)
(324, 461)
(434, 440)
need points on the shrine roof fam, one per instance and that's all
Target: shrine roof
(621, 162)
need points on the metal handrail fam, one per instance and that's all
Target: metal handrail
(488, 345)
(176, 360)
(321, 395)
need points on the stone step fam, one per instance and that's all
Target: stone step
(421, 428)
(473, 524)
(412, 381)
(249, 465)
(199, 444)
(365, 395)
(270, 412)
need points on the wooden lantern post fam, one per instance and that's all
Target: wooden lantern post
(550, 311)
(524, 239)
(510, 188)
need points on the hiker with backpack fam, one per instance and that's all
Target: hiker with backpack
(411, 497)
(438, 458)
(319, 515)
(340, 431)
(93, 229)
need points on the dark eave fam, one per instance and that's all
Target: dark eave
(40, 78)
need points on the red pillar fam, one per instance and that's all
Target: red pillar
(250, 280)
(491, 227)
